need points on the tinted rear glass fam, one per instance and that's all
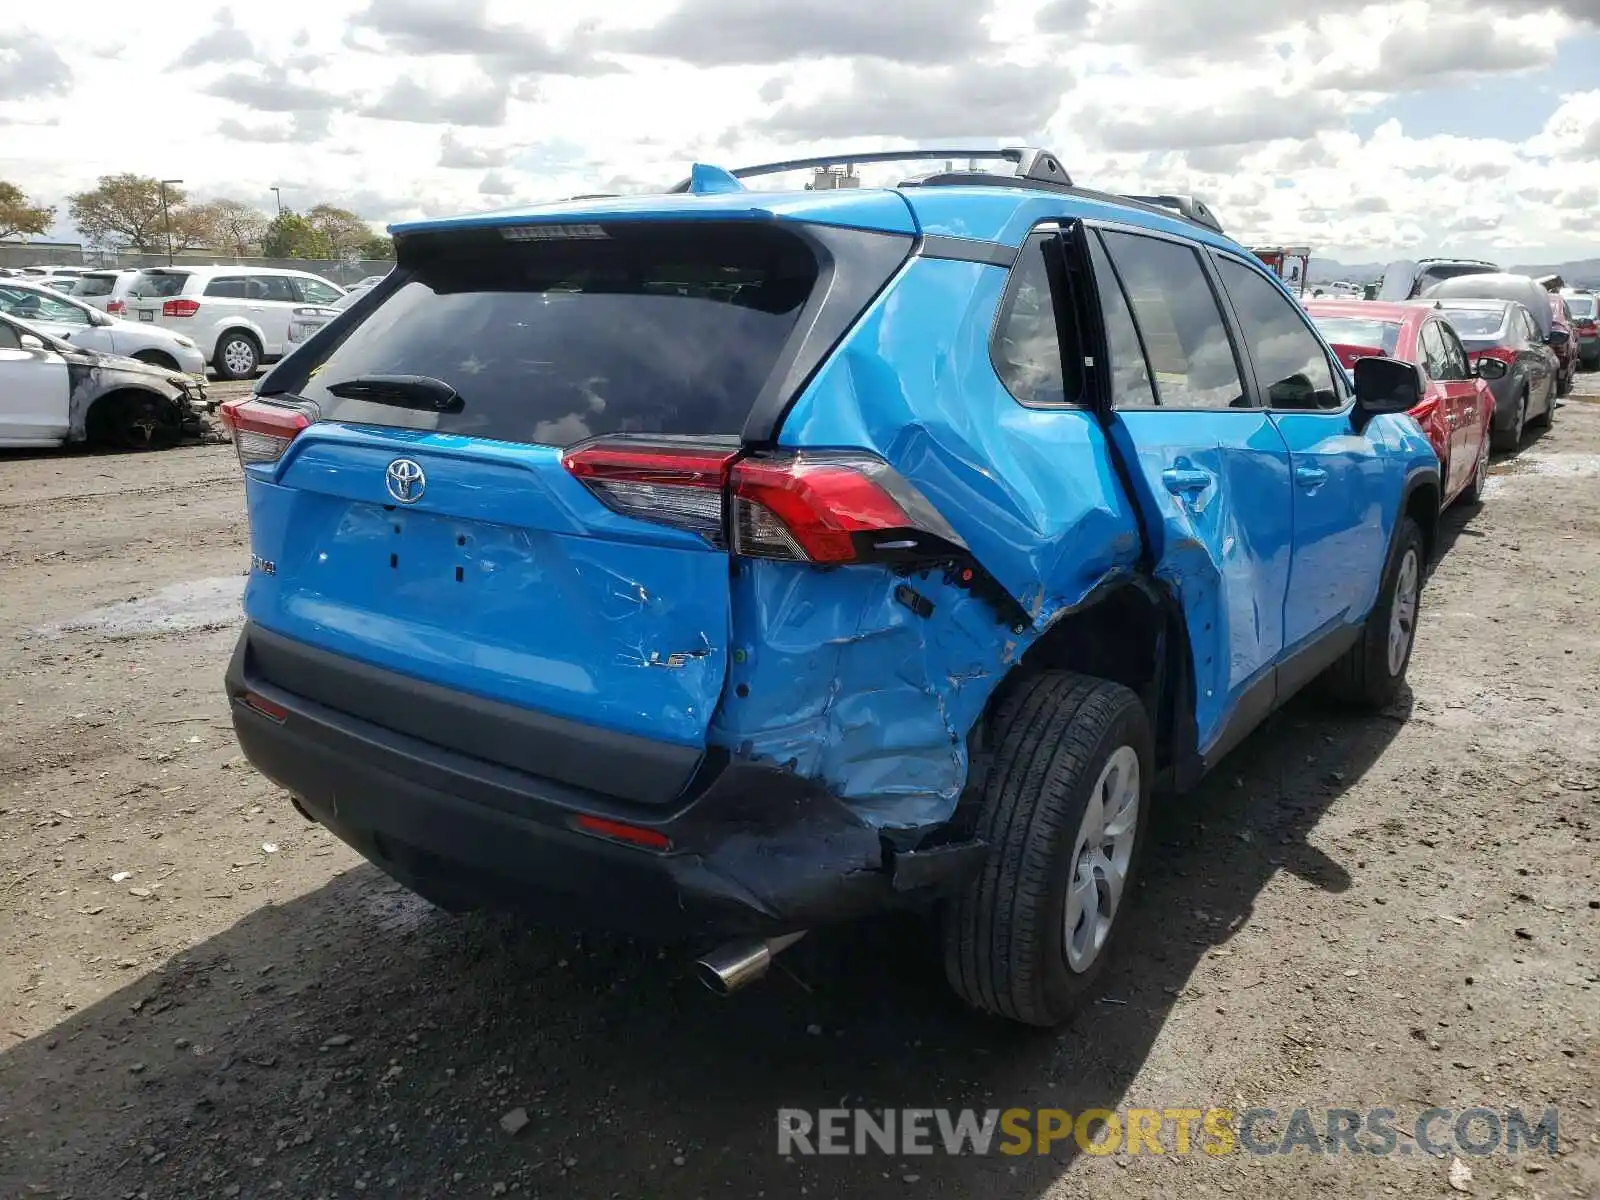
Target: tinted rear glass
(150, 283)
(1581, 306)
(1358, 331)
(1439, 272)
(94, 285)
(1475, 322)
(228, 285)
(650, 328)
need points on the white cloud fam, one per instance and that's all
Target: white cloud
(405, 108)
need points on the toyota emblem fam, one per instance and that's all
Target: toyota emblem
(405, 480)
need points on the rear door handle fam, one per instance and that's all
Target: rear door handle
(1310, 477)
(1186, 481)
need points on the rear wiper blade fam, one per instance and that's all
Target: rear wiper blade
(402, 391)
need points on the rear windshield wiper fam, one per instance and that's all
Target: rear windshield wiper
(402, 391)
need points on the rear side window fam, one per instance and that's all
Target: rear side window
(1026, 348)
(272, 287)
(1185, 339)
(228, 286)
(314, 291)
(1130, 373)
(159, 284)
(94, 285)
(651, 328)
(1292, 368)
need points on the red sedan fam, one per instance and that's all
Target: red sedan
(1457, 407)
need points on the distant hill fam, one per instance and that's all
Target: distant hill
(1583, 273)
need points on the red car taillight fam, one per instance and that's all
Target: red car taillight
(113, 307)
(180, 308)
(808, 506)
(1585, 325)
(261, 429)
(1504, 353)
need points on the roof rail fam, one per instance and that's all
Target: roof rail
(1188, 207)
(1032, 163)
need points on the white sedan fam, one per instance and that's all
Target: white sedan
(54, 392)
(71, 320)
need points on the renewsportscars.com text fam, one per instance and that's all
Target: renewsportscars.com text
(1211, 1131)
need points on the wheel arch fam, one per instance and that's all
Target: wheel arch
(111, 395)
(1420, 500)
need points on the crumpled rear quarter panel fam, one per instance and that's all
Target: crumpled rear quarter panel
(832, 675)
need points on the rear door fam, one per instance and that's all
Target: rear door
(449, 543)
(1465, 397)
(1210, 472)
(34, 390)
(1341, 484)
(271, 301)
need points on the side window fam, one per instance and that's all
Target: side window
(8, 337)
(229, 286)
(1433, 360)
(1291, 365)
(1455, 355)
(1026, 348)
(314, 291)
(273, 287)
(1130, 373)
(1190, 353)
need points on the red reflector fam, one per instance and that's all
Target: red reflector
(265, 707)
(261, 430)
(180, 308)
(616, 831)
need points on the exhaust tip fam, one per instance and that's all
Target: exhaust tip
(711, 978)
(738, 964)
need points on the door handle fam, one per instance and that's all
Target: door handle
(1186, 481)
(1310, 478)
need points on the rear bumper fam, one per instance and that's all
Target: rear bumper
(754, 850)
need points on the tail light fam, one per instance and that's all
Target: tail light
(1504, 354)
(180, 308)
(819, 507)
(261, 429)
(113, 307)
(1586, 325)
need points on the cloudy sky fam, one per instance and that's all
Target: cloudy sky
(1364, 129)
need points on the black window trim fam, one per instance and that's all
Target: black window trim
(1048, 230)
(1341, 384)
(1230, 321)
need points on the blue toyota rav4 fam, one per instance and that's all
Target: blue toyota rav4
(725, 563)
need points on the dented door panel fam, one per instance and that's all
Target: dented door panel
(834, 673)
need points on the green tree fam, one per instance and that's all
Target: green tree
(291, 235)
(126, 210)
(378, 246)
(19, 215)
(230, 225)
(341, 230)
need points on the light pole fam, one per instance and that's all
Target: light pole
(166, 220)
(277, 194)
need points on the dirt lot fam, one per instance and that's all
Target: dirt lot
(203, 996)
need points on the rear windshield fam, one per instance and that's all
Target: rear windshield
(159, 283)
(1360, 331)
(1580, 306)
(1475, 322)
(94, 285)
(1438, 272)
(646, 328)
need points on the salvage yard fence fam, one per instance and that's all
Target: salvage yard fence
(342, 271)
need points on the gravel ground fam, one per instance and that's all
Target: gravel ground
(203, 996)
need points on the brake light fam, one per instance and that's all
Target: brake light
(180, 308)
(1586, 324)
(822, 507)
(261, 429)
(115, 306)
(1504, 353)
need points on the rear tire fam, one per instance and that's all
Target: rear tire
(1373, 671)
(1548, 416)
(1480, 474)
(237, 356)
(1029, 936)
(1511, 439)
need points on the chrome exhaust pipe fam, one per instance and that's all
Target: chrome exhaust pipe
(737, 964)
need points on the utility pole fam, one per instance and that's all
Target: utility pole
(277, 194)
(166, 220)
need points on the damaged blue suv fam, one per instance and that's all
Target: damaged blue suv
(727, 563)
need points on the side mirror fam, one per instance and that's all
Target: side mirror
(1490, 368)
(28, 342)
(1558, 337)
(1386, 385)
